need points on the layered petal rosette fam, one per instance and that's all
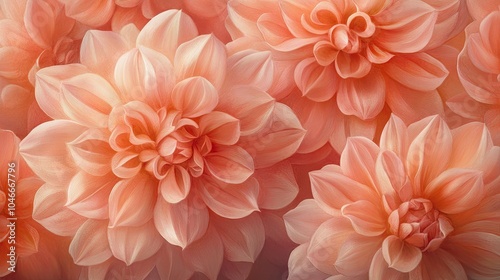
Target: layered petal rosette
(25, 245)
(479, 69)
(422, 205)
(352, 62)
(162, 148)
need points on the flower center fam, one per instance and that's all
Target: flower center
(418, 223)
(154, 141)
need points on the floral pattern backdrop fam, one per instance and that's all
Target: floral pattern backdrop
(250, 139)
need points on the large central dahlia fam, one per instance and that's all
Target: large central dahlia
(423, 205)
(156, 138)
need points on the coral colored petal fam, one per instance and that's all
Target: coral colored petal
(88, 195)
(194, 97)
(94, 13)
(181, 223)
(367, 219)
(395, 137)
(243, 239)
(316, 82)
(332, 190)
(399, 255)
(196, 254)
(356, 254)
(391, 176)
(176, 184)
(358, 160)
(91, 152)
(134, 244)
(89, 245)
(302, 221)
(220, 127)
(49, 211)
(277, 186)
(167, 31)
(439, 264)
(230, 164)
(45, 150)
(471, 143)
(250, 67)
(202, 56)
(379, 269)
(299, 266)
(131, 202)
(230, 201)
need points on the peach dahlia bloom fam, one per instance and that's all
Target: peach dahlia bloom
(34, 246)
(353, 61)
(423, 205)
(33, 34)
(160, 141)
(479, 69)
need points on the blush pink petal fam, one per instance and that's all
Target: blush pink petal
(439, 264)
(250, 67)
(176, 28)
(332, 189)
(88, 195)
(49, 211)
(252, 106)
(400, 255)
(230, 201)
(176, 184)
(46, 153)
(181, 223)
(356, 254)
(474, 143)
(131, 202)
(145, 75)
(100, 50)
(243, 239)
(316, 82)
(231, 164)
(358, 160)
(91, 152)
(299, 266)
(194, 97)
(391, 176)
(13, 10)
(379, 269)
(196, 254)
(430, 151)
(202, 56)
(418, 71)
(302, 221)
(134, 244)
(364, 97)
(87, 247)
(277, 186)
(366, 218)
(94, 13)
(220, 127)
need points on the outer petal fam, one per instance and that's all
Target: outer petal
(89, 195)
(456, 190)
(91, 152)
(250, 67)
(230, 201)
(430, 150)
(206, 254)
(302, 221)
(203, 56)
(358, 160)
(399, 255)
(89, 245)
(316, 82)
(230, 164)
(417, 71)
(379, 269)
(395, 137)
(243, 239)
(100, 50)
(181, 223)
(471, 144)
(93, 13)
(277, 186)
(194, 97)
(364, 97)
(332, 190)
(45, 151)
(144, 75)
(134, 244)
(131, 202)
(299, 266)
(439, 264)
(49, 211)
(167, 31)
(356, 254)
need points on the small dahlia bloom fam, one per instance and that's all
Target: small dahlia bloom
(160, 140)
(479, 69)
(352, 61)
(33, 34)
(422, 205)
(34, 247)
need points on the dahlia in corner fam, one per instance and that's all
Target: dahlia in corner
(422, 205)
(158, 150)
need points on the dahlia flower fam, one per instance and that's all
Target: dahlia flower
(33, 34)
(161, 141)
(25, 246)
(352, 61)
(479, 69)
(421, 205)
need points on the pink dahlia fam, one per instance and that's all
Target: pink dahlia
(33, 34)
(422, 205)
(352, 61)
(160, 141)
(25, 246)
(479, 69)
